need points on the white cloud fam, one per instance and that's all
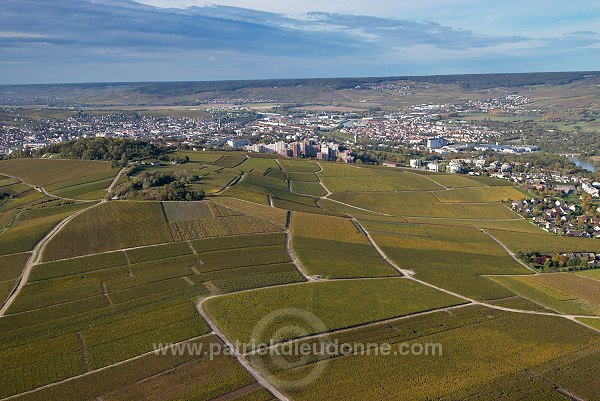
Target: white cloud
(20, 35)
(514, 17)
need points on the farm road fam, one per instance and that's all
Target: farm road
(36, 255)
(511, 253)
(407, 275)
(234, 351)
(116, 179)
(43, 190)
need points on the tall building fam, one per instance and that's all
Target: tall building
(455, 168)
(436, 143)
(297, 149)
(415, 163)
(433, 166)
(324, 153)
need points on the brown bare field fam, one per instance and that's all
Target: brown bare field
(220, 227)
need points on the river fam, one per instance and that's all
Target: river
(584, 164)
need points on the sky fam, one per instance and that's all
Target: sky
(189, 40)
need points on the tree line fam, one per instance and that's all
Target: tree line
(118, 151)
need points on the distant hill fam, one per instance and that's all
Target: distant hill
(467, 81)
(284, 90)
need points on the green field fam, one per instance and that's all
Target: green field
(11, 266)
(6, 288)
(480, 194)
(86, 188)
(230, 160)
(247, 195)
(243, 262)
(124, 276)
(563, 292)
(58, 173)
(259, 187)
(348, 178)
(151, 377)
(594, 273)
(541, 241)
(334, 247)
(331, 302)
(404, 204)
(454, 180)
(454, 258)
(303, 177)
(24, 235)
(474, 363)
(308, 188)
(110, 226)
(295, 166)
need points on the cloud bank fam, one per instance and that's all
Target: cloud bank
(122, 40)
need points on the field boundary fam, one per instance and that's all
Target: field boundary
(511, 253)
(290, 250)
(36, 255)
(91, 372)
(245, 364)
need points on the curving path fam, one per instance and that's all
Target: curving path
(290, 251)
(407, 275)
(511, 253)
(114, 182)
(43, 190)
(35, 258)
(234, 351)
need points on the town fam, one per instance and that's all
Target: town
(428, 136)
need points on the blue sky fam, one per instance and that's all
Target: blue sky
(163, 40)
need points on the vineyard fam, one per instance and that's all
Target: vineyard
(563, 292)
(364, 301)
(110, 226)
(480, 194)
(462, 255)
(45, 172)
(335, 247)
(345, 178)
(308, 188)
(541, 241)
(455, 181)
(389, 257)
(219, 227)
(471, 337)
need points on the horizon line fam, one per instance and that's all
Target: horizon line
(385, 77)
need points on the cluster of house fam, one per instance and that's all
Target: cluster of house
(540, 180)
(559, 217)
(191, 131)
(592, 188)
(587, 259)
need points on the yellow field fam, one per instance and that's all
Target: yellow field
(564, 292)
(110, 226)
(44, 172)
(479, 194)
(326, 227)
